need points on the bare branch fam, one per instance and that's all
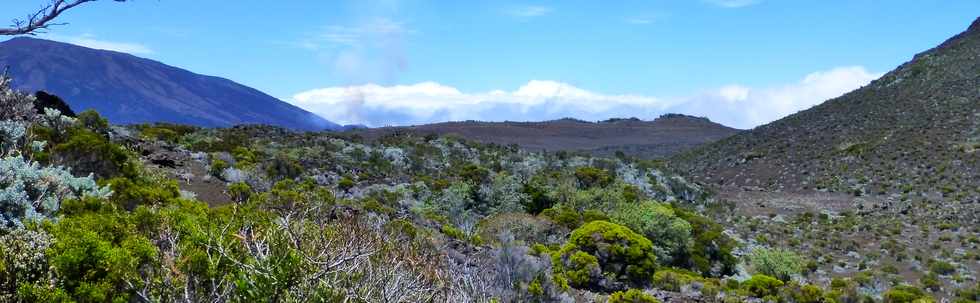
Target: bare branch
(43, 18)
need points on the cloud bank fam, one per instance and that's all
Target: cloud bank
(734, 3)
(529, 11)
(734, 105)
(90, 41)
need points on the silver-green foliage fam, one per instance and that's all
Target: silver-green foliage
(779, 263)
(29, 191)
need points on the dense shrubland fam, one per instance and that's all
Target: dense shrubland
(100, 213)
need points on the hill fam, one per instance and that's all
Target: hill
(128, 89)
(913, 132)
(661, 137)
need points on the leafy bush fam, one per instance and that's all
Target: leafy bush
(671, 279)
(794, 292)
(98, 255)
(711, 252)
(88, 152)
(762, 286)
(591, 176)
(906, 294)
(632, 296)
(670, 235)
(91, 120)
(941, 267)
(606, 256)
(538, 199)
(166, 132)
(779, 263)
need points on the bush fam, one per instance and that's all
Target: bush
(762, 286)
(282, 167)
(632, 296)
(217, 167)
(30, 192)
(711, 252)
(779, 263)
(606, 256)
(22, 260)
(591, 177)
(941, 268)
(87, 152)
(673, 279)
(98, 254)
(804, 294)
(670, 235)
(538, 199)
(346, 183)
(906, 294)
(91, 120)
(502, 195)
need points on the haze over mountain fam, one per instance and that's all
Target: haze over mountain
(914, 130)
(661, 137)
(128, 89)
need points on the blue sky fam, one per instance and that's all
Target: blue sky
(740, 62)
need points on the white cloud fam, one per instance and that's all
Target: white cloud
(639, 21)
(529, 11)
(427, 102)
(90, 41)
(733, 3)
(367, 51)
(745, 107)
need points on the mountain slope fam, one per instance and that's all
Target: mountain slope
(915, 131)
(664, 136)
(129, 89)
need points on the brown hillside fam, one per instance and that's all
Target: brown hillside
(661, 137)
(913, 132)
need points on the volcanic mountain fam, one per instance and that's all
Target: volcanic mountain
(914, 132)
(128, 89)
(659, 138)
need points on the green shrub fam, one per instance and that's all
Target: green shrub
(91, 120)
(218, 166)
(129, 193)
(602, 250)
(98, 254)
(632, 296)
(941, 267)
(345, 183)
(670, 235)
(87, 152)
(968, 295)
(591, 177)
(762, 286)
(538, 199)
(244, 157)
(805, 294)
(711, 252)
(283, 167)
(671, 279)
(906, 294)
(166, 132)
(779, 263)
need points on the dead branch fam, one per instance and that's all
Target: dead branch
(43, 18)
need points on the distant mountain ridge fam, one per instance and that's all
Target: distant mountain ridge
(664, 136)
(128, 89)
(913, 132)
